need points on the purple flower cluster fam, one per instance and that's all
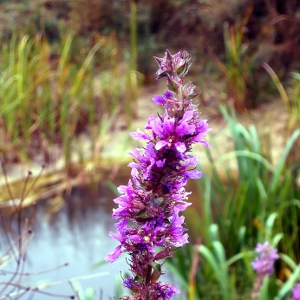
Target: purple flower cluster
(264, 264)
(150, 227)
(296, 292)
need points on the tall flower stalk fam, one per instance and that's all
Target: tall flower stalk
(150, 227)
(263, 266)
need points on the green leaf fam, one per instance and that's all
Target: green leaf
(89, 294)
(263, 295)
(214, 232)
(76, 286)
(290, 263)
(289, 284)
(276, 239)
(237, 257)
(100, 264)
(282, 160)
(219, 268)
(269, 224)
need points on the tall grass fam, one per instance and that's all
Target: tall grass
(54, 94)
(295, 98)
(291, 100)
(259, 202)
(259, 189)
(238, 67)
(132, 75)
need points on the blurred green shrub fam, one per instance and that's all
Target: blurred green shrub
(272, 30)
(49, 93)
(238, 67)
(291, 99)
(251, 203)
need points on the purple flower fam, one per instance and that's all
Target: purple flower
(296, 292)
(159, 100)
(162, 291)
(170, 64)
(156, 290)
(174, 233)
(264, 264)
(165, 99)
(150, 227)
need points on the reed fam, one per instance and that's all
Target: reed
(235, 211)
(291, 100)
(237, 67)
(50, 95)
(132, 74)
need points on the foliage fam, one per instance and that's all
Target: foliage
(295, 99)
(239, 67)
(241, 35)
(291, 100)
(49, 77)
(88, 294)
(237, 212)
(50, 96)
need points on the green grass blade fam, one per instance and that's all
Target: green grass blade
(280, 167)
(289, 284)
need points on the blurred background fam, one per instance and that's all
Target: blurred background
(77, 76)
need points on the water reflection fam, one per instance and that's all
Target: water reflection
(72, 229)
(78, 235)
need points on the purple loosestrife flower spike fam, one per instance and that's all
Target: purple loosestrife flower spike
(150, 227)
(263, 266)
(296, 292)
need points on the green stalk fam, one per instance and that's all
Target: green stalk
(132, 75)
(21, 71)
(133, 34)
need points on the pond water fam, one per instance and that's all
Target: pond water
(78, 235)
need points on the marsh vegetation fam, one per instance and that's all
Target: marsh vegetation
(75, 78)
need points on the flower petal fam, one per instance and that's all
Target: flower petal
(161, 144)
(111, 257)
(139, 135)
(169, 124)
(193, 174)
(183, 129)
(180, 147)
